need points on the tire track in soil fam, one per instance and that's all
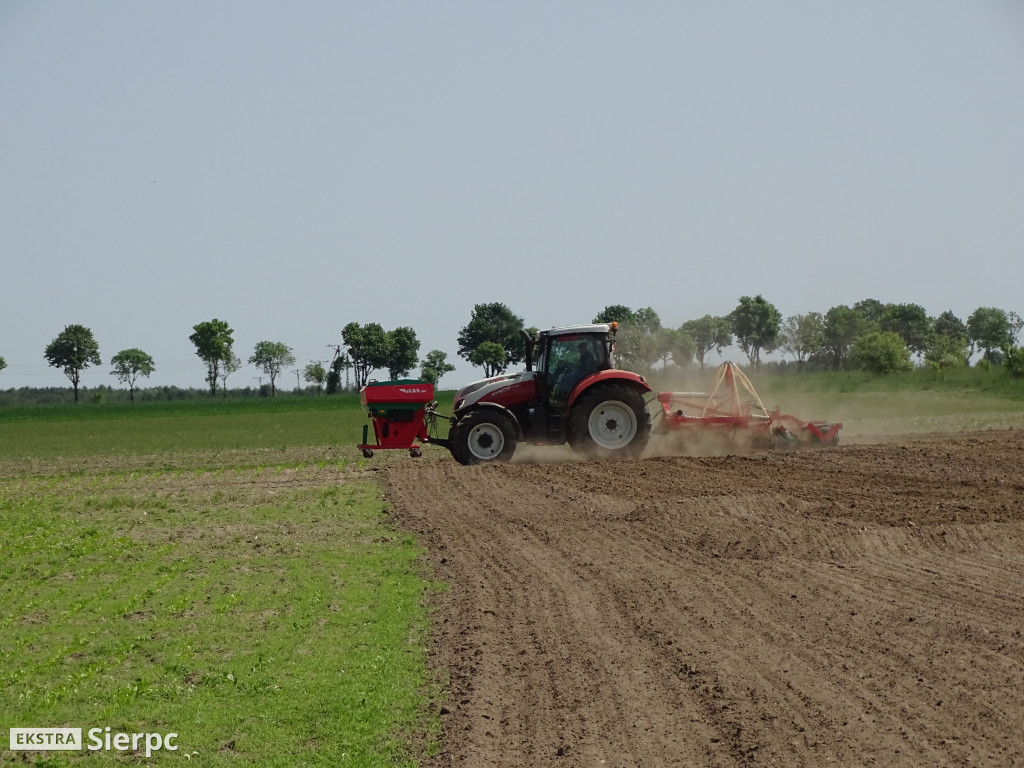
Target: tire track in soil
(860, 606)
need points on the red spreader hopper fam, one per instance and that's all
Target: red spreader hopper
(397, 410)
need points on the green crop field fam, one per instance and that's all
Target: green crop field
(222, 571)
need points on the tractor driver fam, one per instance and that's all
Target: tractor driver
(587, 363)
(569, 370)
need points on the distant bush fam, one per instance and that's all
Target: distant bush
(880, 352)
(946, 352)
(1013, 361)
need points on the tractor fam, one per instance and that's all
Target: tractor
(574, 395)
(569, 393)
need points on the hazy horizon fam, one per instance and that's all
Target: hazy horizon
(290, 169)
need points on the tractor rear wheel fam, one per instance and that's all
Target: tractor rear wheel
(609, 422)
(484, 435)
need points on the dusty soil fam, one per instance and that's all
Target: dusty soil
(861, 606)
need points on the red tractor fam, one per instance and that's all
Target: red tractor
(569, 393)
(575, 395)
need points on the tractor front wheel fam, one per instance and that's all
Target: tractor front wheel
(609, 421)
(482, 436)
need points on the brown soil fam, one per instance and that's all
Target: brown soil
(861, 606)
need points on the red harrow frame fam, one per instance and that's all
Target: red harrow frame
(734, 411)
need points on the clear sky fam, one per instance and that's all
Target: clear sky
(291, 167)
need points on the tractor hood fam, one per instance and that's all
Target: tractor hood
(472, 392)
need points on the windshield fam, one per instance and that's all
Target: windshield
(569, 358)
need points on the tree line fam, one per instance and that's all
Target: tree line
(869, 335)
(364, 349)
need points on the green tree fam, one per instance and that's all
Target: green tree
(843, 325)
(949, 325)
(272, 357)
(637, 345)
(616, 313)
(673, 346)
(341, 362)
(228, 367)
(493, 323)
(946, 352)
(803, 336)
(315, 374)
(1014, 361)
(911, 322)
(635, 349)
(880, 352)
(74, 350)
(872, 310)
(213, 340)
(708, 333)
(647, 321)
(403, 352)
(949, 344)
(3, 363)
(755, 323)
(490, 356)
(129, 365)
(434, 366)
(367, 349)
(991, 329)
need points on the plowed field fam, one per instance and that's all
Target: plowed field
(860, 606)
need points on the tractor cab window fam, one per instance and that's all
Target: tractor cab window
(571, 357)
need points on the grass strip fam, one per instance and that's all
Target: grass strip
(267, 618)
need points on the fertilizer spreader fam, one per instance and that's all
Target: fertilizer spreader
(397, 410)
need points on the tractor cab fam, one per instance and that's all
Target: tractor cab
(565, 356)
